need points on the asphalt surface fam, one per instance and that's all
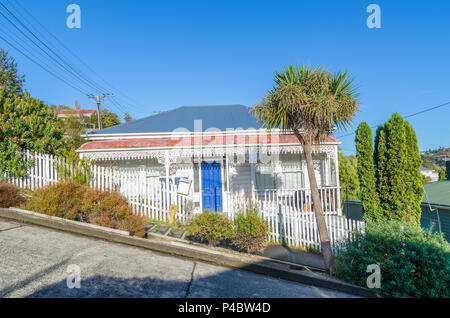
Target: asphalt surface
(38, 262)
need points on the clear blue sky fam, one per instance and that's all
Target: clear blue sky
(166, 54)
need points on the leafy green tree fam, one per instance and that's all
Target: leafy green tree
(414, 188)
(74, 126)
(348, 177)
(127, 117)
(25, 124)
(310, 103)
(9, 77)
(109, 119)
(366, 171)
(426, 179)
(442, 174)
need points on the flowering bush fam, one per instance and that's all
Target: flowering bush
(25, 124)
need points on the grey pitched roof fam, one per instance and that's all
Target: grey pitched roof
(222, 117)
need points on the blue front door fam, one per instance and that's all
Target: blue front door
(212, 186)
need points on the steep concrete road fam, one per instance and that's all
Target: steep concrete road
(34, 262)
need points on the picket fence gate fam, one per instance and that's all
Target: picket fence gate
(287, 213)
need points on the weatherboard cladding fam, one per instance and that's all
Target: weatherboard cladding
(222, 117)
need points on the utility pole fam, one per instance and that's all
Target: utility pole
(98, 101)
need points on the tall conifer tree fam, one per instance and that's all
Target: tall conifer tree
(381, 162)
(366, 171)
(397, 165)
(414, 183)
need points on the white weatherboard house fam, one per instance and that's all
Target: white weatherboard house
(214, 154)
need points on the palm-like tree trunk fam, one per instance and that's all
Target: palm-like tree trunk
(318, 211)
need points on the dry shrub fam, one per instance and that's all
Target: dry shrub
(134, 224)
(73, 201)
(100, 204)
(61, 200)
(10, 196)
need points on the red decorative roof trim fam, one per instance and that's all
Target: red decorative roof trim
(168, 142)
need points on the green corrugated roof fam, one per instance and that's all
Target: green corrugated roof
(437, 193)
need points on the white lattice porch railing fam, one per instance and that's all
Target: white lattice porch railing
(299, 200)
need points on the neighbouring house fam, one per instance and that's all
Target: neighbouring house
(217, 152)
(433, 175)
(84, 113)
(435, 207)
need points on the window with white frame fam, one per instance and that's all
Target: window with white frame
(264, 181)
(292, 180)
(292, 176)
(264, 177)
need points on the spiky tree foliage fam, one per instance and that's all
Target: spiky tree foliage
(414, 188)
(366, 171)
(381, 162)
(9, 77)
(127, 117)
(310, 103)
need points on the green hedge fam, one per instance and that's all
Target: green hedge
(413, 262)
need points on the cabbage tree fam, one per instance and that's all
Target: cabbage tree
(311, 104)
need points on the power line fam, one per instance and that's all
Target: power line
(408, 116)
(31, 59)
(71, 52)
(7, 33)
(63, 64)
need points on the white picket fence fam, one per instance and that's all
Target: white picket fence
(291, 219)
(288, 213)
(152, 198)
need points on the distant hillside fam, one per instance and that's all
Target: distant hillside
(435, 159)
